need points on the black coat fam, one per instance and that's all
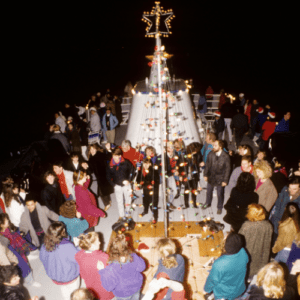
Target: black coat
(228, 110)
(219, 125)
(237, 207)
(116, 174)
(97, 165)
(52, 197)
(240, 122)
(217, 169)
(153, 175)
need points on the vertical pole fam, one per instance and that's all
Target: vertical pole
(162, 136)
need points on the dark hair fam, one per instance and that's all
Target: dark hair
(31, 197)
(147, 160)
(221, 143)
(47, 174)
(191, 148)
(7, 273)
(4, 217)
(58, 163)
(117, 151)
(73, 154)
(68, 209)
(245, 183)
(8, 193)
(294, 180)
(96, 147)
(292, 211)
(55, 234)
(247, 158)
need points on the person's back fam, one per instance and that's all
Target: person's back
(227, 276)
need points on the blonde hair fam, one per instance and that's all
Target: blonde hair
(167, 249)
(271, 279)
(119, 248)
(264, 166)
(256, 213)
(86, 240)
(82, 294)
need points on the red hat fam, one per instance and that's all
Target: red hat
(217, 113)
(272, 115)
(260, 110)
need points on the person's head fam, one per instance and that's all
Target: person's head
(210, 138)
(82, 294)
(170, 148)
(217, 114)
(261, 154)
(218, 145)
(167, 248)
(245, 150)
(89, 241)
(54, 235)
(287, 115)
(9, 275)
(56, 127)
(4, 222)
(262, 170)
(119, 248)
(93, 110)
(179, 144)
(56, 115)
(233, 243)
(79, 177)
(256, 213)
(271, 279)
(292, 211)
(108, 111)
(30, 202)
(245, 183)
(193, 148)
(255, 101)
(68, 209)
(93, 148)
(49, 177)
(93, 98)
(57, 167)
(294, 185)
(150, 151)
(126, 145)
(116, 155)
(70, 126)
(75, 158)
(246, 163)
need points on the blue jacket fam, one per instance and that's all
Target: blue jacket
(203, 104)
(60, 264)
(227, 276)
(279, 206)
(74, 226)
(205, 150)
(283, 126)
(113, 121)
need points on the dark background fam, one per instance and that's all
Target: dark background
(57, 53)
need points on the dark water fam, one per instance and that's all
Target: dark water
(66, 54)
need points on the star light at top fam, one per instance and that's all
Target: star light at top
(154, 17)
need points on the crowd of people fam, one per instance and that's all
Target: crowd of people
(262, 201)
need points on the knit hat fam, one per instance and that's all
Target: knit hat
(272, 115)
(233, 243)
(241, 95)
(217, 113)
(260, 110)
(93, 108)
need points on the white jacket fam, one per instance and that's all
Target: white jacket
(15, 212)
(95, 122)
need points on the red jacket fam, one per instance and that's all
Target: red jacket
(133, 156)
(248, 112)
(268, 128)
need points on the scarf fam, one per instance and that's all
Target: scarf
(18, 243)
(113, 163)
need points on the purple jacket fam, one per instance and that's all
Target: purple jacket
(123, 279)
(60, 264)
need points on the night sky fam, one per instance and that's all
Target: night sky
(56, 54)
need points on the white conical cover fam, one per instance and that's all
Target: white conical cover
(178, 116)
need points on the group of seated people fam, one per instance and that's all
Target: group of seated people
(66, 209)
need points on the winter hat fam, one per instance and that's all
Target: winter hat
(272, 115)
(241, 95)
(260, 110)
(93, 108)
(233, 243)
(217, 113)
